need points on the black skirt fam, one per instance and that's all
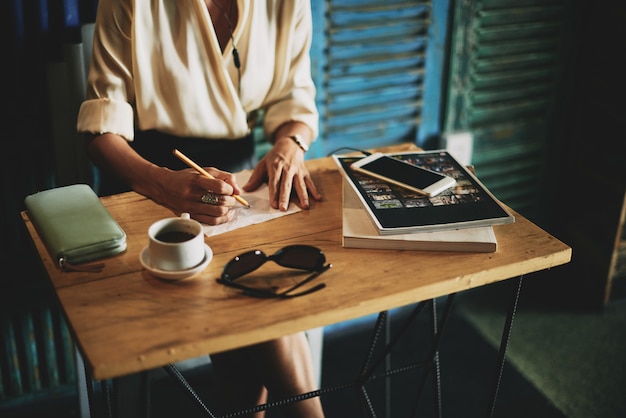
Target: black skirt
(230, 155)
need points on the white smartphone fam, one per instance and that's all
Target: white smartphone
(403, 174)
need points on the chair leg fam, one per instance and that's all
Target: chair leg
(84, 410)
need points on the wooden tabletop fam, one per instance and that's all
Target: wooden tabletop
(126, 321)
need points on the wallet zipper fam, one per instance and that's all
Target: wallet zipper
(89, 268)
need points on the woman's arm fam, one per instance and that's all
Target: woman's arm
(180, 191)
(291, 112)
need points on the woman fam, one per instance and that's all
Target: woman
(189, 74)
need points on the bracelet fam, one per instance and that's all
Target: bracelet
(298, 140)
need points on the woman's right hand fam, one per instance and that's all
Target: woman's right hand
(180, 191)
(208, 201)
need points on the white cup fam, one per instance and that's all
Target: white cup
(176, 243)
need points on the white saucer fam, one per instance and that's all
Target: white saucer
(144, 257)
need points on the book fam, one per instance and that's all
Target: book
(395, 210)
(359, 232)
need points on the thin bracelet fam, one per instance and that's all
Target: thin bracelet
(298, 140)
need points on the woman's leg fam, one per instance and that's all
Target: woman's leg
(287, 370)
(283, 366)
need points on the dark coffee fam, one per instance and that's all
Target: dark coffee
(174, 236)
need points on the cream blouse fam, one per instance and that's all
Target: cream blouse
(157, 64)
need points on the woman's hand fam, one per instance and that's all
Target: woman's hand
(283, 168)
(208, 201)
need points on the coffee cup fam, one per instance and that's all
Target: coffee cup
(176, 243)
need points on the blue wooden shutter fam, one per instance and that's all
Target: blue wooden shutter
(368, 62)
(507, 65)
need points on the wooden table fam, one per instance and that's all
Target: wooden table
(126, 321)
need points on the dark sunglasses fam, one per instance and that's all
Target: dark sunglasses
(301, 257)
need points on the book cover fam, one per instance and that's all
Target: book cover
(359, 232)
(396, 210)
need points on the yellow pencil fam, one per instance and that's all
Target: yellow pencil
(202, 171)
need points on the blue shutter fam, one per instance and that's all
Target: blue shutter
(369, 66)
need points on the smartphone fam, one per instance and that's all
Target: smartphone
(403, 174)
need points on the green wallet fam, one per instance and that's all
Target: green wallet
(74, 224)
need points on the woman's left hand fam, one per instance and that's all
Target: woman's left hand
(284, 169)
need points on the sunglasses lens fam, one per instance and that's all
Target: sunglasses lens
(303, 257)
(243, 264)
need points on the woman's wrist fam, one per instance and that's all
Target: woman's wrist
(290, 141)
(297, 133)
(297, 138)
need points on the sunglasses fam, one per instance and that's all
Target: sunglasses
(300, 257)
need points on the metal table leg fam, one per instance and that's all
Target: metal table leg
(504, 343)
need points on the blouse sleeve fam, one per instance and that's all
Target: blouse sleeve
(109, 94)
(295, 100)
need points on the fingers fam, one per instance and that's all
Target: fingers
(211, 220)
(258, 176)
(284, 191)
(310, 185)
(300, 183)
(208, 200)
(227, 178)
(212, 208)
(305, 189)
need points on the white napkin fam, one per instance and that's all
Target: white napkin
(259, 211)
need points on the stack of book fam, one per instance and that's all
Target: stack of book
(377, 214)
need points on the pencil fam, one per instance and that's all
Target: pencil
(202, 171)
